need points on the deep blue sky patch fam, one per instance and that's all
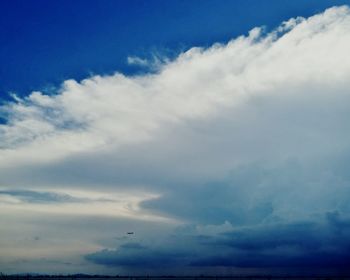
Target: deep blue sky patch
(43, 43)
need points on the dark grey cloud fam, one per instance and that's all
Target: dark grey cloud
(256, 193)
(137, 256)
(133, 245)
(310, 245)
(33, 196)
(312, 261)
(41, 197)
(279, 216)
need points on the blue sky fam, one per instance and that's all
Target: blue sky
(216, 131)
(43, 43)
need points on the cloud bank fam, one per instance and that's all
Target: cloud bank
(232, 157)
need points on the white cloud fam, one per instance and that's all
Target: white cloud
(254, 129)
(117, 110)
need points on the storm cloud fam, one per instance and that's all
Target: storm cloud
(232, 156)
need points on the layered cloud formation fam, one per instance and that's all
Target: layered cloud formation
(227, 159)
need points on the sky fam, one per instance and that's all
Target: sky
(217, 132)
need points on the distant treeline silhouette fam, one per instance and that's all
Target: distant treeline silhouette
(159, 277)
